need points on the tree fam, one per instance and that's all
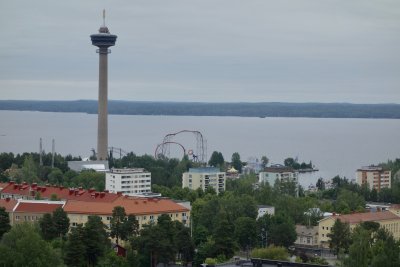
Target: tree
(216, 159)
(23, 246)
(320, 184)
(245, 232)
(95, 239)
(224, 242)
(47, 227)
(236, 162)
(117, 222)
(264, 161)
(385, 250)
(56, 176)
(348, 201)
(4, 222)
(29, 169)
(271, 253)
(130, 227)
(339, 236)
(360, 248)
(75, 250)
(282, 230)
(61, 222)
(184, 243)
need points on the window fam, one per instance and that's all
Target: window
(109, 218)
(323, 235)
(17, 218)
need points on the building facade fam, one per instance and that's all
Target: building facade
(204, 178)
(280, 172)
(306, 236)
(386, 219)
(129, 182)
(376, 177)
(264, 209)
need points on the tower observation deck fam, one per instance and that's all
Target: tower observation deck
(103, 40)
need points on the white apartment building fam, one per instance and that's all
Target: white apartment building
(130, 182)
(204, 178)
(280, 172)
(375, 176)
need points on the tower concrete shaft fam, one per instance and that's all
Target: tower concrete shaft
(102, 119)
(103, 40)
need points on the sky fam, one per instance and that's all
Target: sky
(204, 50)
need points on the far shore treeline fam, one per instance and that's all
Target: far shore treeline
(271, 109)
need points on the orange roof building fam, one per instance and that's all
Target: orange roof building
(32, 210)
(386, 219)
(146, 210)
(26, 191)
(8, 204)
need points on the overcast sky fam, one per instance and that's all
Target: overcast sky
(206, 50)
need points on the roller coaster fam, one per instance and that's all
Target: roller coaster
(198, 155)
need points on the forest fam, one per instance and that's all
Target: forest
(240, 109)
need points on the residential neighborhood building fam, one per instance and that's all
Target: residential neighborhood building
(278, 172)
(47, 192)
(204, 178)
(386, 219)
(375, 176)
(128, 181)
(264, 209)
(82, 165)
(146, 210)
(32, 210)
(306, 235)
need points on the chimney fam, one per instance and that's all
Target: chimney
(96, 194)
(34, 185)
(91, 190)
(102, 194)
(61, 187)
(71, 190)
(119, 193)
(106, 191)
(24, 183)
(7, 199)
(11, 182)
(333, 214)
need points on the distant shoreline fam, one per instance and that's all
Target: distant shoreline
(261, 110)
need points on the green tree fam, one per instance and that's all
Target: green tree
(23, 246)
(61, 222)
(359, 252)
(4, 222)
(282, 230)
(29, 169)
(95, 239)
(272, 253)
(264, 161)
(385, 250)
(117, 223)
(47, 227)
(245, 232)
(339, 236)
(320, 184)
(184, 243)
(236, 162)
(75, 250)
(56, 176)
(130, 227)
(216, 159)
(224, 242)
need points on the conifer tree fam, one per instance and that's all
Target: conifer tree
(4, 222)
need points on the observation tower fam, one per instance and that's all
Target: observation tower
(103, 40)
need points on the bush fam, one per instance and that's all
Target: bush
(210, 261)
(271, 253)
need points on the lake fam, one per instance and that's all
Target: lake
(335, 146)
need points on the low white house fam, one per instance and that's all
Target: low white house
(264, 209)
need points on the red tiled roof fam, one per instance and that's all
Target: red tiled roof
(9, 204)
(62, 193)
(37, 207)
(367, 216)
(134, 206)
(3, 185)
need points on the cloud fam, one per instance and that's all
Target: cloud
(232, 50)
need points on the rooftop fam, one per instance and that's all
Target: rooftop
(204, 170)
(9, 204)
(371, 168)
(127, 170)
(279, 169)
(366, 217)
(38, 206)
(132, 205)
(61, 192)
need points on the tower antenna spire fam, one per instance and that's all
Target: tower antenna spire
(104, 17)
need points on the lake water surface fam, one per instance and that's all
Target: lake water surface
(335, 146)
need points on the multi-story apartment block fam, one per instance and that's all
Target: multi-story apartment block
(280, 172)
(130, 182)
(204, 178)
(376, 177)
